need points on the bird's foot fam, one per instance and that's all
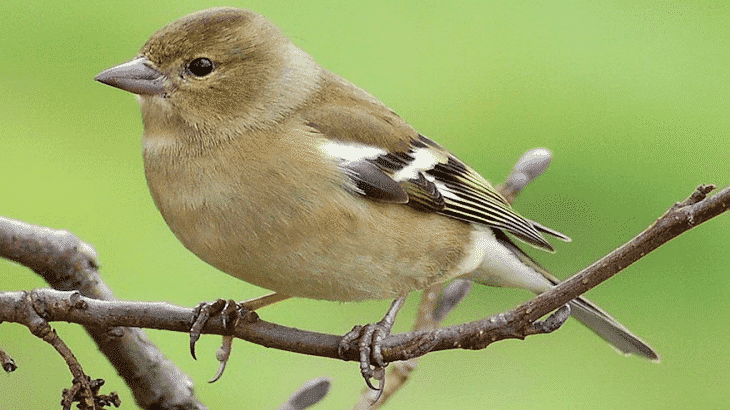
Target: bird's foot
(230, 312)
(369, 341)
(228, 309)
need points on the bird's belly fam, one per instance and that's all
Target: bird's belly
(343, 250)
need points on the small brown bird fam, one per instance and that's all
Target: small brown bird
(285, 175)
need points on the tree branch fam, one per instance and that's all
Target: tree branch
(67, 263)
(517, 323)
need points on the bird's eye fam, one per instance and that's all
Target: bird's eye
(200, 67)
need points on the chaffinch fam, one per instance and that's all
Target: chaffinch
(285, 175)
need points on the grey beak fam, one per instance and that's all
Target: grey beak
(135, 76)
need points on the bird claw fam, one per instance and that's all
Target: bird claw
(369, 338)
(223, 354)
(230, 312)
(369, 343)
(204, 311)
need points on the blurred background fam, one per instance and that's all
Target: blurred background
(631, 97)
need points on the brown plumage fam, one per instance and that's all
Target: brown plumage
(283, 174)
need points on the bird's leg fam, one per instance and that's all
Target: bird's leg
(369, 339)
(262, 301)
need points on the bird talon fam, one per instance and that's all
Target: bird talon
(370, 384)
(223, 354)
(229, 313)
(377, 350)
(348, 338)
(369, 338)
(369, 344)
(201, 313)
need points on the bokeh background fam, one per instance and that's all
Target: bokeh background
(632, 98)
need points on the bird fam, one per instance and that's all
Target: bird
(281, 173)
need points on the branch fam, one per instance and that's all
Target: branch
(681, 217)
(517, 323)
(67, 263)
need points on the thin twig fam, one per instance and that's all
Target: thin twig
(26, 314)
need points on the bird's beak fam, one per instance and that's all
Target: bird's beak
(135, 76)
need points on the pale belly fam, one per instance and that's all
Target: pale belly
(351, 251)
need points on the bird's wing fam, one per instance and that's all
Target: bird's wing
(388, 161)
(429, 178)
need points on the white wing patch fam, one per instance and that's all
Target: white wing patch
(350, 152)
(424, 159)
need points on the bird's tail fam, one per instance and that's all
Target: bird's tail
(608, 328)
(513, 268)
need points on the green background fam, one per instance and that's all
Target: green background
(632, 98)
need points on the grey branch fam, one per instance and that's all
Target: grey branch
(517, 323)
(67, 263)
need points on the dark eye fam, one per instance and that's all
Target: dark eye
(200, 67)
